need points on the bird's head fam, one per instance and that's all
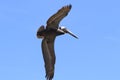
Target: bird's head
(63, 28)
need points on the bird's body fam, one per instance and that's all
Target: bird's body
(48, 35)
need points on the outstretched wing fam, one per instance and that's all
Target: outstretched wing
(49, 58)
(53, 21)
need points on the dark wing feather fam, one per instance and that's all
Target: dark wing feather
(49, 58)
(53, 21)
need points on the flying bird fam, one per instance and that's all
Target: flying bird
(48, 34)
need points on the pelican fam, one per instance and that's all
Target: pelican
(48, 35)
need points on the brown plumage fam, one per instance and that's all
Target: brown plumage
(53, 21)
(49, 34)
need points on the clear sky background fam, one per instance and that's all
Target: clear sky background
(94, 56)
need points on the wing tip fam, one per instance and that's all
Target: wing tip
(68, 6)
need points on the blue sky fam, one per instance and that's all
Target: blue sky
(94, 56)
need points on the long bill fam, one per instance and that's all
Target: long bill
(69, 32)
